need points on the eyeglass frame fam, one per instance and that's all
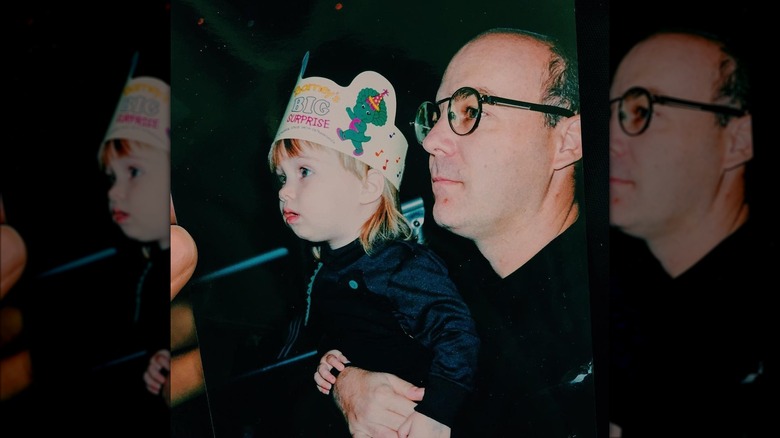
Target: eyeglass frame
(672, 101)
(490, 100)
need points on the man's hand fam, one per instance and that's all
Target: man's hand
(375, 404)
(422, 426)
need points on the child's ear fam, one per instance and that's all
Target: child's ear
(373, 187)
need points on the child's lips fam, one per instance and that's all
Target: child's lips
(290, 216)
(119, 216)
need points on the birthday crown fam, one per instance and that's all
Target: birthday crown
(357, 120)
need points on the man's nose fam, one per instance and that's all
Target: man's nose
(618, 139)
(440, 140)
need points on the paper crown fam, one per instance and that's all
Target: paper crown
(358, 120)
(143, 113)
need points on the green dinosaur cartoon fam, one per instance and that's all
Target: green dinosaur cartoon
(369, 108)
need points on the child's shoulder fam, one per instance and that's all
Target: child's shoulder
(407, 246)
(409, 251)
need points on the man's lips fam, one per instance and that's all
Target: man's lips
(616, 180)
(443, 180)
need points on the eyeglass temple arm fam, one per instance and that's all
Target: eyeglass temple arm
(721, 109)
(492, 100)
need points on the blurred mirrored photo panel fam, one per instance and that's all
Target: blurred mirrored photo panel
(691, 245)
(86, 220)
(386, 198)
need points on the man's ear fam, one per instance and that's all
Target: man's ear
(569, 148)
(740, 146)
(373, 187)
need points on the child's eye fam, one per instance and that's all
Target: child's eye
(281, 178)
(134, 171)
(111, 177)
(305, 172)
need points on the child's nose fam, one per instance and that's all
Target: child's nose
(117, 191)
(285, 193)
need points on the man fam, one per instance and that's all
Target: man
(504, 161)
(689, 353)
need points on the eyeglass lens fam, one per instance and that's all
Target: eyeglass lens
(427, 116)
(463, 110)
(634, 111)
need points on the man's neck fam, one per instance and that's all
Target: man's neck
(679, 251)
(514, 245)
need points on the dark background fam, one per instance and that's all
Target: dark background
(65, 71)
(65, 66)
(234, 64)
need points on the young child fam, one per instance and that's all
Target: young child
(135, 156)
(377, 296)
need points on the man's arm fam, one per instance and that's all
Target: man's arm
(374, 404)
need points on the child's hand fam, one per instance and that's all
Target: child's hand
(157, 372)
(323, 377)
(419, 425)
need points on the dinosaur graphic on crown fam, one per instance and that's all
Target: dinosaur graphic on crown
(370, 107)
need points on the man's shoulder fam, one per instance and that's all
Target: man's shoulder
(749, 249)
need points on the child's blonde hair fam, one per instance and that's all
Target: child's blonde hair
(387, 222)
(116, 148)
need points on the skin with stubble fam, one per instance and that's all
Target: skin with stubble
(679, 185)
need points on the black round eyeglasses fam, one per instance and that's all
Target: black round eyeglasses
(464, 111)
(635, 108)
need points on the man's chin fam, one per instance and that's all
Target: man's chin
(625, 227)
(446, 219)
(441, 218)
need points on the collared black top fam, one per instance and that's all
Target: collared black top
(535, 374)
(690, 356)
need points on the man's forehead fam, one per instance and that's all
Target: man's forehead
(680, 65)
(500, 66)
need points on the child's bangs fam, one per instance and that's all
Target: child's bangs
(291, 148)
(112, 149)
(282, 150)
